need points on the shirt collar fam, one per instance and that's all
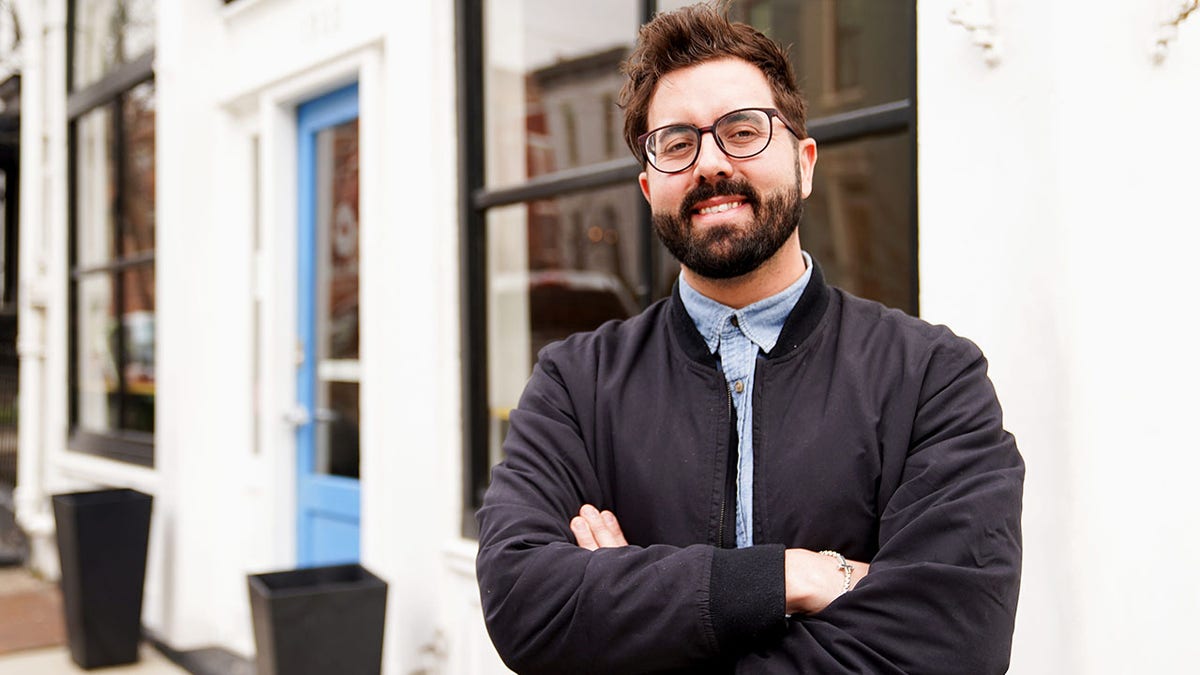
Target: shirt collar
(761, 322)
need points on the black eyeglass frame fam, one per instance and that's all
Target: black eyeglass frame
(700, 131)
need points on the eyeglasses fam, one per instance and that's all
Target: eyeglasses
(739, 134)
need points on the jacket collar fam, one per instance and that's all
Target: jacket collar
(800, 323)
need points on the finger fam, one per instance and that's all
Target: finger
(610, 521)
(583, 534)
(600, 530)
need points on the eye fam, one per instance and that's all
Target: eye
(742, 132)
(674, 142)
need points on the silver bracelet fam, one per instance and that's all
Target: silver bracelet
(844, 566)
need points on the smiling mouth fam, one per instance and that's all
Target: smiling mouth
(719, 208)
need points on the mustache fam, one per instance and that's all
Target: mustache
(723, 188)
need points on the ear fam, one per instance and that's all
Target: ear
(806, 160)
(644, 183)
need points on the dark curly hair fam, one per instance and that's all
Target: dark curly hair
(693, 35)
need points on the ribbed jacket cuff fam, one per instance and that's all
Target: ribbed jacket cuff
(746, 595)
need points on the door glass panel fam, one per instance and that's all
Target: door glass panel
(337, 232)
(337, 300)
(337, 435)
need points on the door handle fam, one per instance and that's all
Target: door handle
(299, 415)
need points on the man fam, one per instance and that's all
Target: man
(761, 473)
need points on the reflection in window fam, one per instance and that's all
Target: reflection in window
(857, 219)
(564, 263)
(847, 39)
(114, 289)
(109, 33)
(137, 186)
(550, 68)
(613, 125)
(555, 267)
(338, 372)
(570, 133)
(97, 366)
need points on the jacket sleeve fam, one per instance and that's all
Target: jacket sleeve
(551, 606)
(941, 594)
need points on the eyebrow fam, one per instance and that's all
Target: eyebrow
(689, 124)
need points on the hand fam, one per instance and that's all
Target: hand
(812, 580)
(594, 529)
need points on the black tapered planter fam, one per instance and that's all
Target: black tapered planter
(318, 620)
(102, 539)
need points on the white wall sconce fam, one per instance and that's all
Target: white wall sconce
(1167, 31)
(978, 18)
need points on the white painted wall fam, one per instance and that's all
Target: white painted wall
(222, 483)
(1057, 219)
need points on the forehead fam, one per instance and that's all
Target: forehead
(699, 94)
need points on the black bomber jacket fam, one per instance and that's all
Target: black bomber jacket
(875, 434)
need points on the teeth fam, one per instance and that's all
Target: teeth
(720, 208)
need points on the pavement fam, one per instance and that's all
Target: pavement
(57, 661)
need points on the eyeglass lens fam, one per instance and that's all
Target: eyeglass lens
(739, 134)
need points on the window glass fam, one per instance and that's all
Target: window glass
(137, 188)
(847, 54)
(109, 33)
(113, 225)
(115, 289)
(857, 222)
(558, 265)
(137, 333)
(555, 267)
(551, 81)
(97, 338)
(95, 172)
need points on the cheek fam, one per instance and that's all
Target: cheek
(665, 195)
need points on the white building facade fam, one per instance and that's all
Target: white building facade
(216, 305)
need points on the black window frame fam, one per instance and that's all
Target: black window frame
(130, 446)
(475, 199)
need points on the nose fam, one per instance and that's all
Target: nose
(712, 163)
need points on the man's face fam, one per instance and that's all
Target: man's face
(724, 217)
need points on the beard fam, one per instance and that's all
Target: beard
(728, 251)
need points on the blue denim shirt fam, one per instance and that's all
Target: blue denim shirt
(736, 336)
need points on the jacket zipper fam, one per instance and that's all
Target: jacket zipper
(730, 467)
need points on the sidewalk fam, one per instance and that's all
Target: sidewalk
(57, 661)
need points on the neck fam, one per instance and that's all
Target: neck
(777, 273)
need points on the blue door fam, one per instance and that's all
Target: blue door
(327, 491)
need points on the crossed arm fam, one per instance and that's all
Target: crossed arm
(811, 580)
(562, 592)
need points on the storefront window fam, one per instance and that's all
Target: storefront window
(112, 247)
(557, 236)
